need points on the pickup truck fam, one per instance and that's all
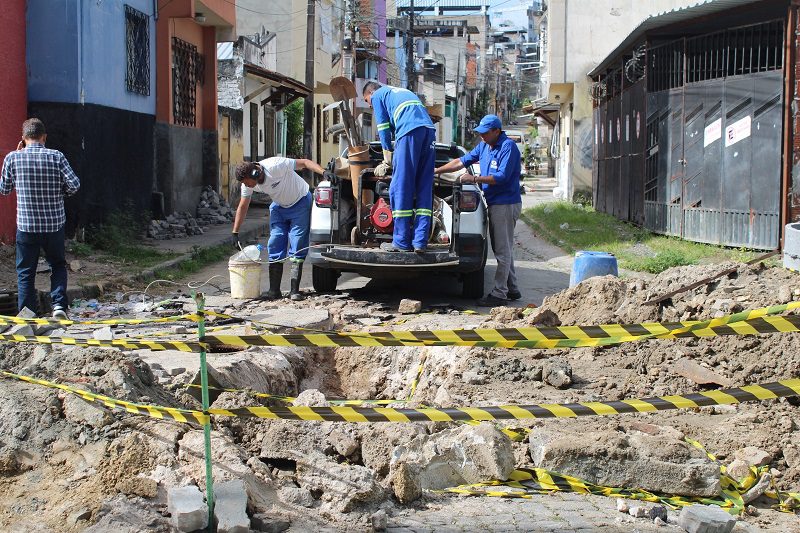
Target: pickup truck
(346, 231)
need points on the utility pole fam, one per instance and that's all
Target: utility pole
(410, 76)
(308, 105)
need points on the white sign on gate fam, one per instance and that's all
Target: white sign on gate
(713, 132)
(737, 131)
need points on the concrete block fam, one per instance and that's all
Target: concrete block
(103, 334)
(409, 307)
(230, 507)
(187, 507)
(706, 519)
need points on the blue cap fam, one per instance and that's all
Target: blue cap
(489, 122)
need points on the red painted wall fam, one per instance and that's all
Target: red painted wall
(13, 87)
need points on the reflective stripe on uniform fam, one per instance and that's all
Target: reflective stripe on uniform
(384, 126)
(405, 105)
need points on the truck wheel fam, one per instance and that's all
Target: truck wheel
(472, 284)
(324, 279)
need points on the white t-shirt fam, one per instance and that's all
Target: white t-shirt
(281, 182)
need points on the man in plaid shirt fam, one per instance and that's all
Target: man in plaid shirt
(42, 178)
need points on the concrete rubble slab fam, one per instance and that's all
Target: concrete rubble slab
(230, 507)
(187, 507)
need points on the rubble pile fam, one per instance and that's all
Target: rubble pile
(112, 469)
(212, 209)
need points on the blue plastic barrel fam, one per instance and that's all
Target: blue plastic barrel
(588, 264)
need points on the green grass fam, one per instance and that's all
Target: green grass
(635, 248)
(201, 257)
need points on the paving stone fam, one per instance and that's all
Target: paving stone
(230, 507)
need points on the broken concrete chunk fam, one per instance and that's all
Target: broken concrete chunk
(699, 374)
(705, 519)
(25, 330)
(761, 486)
(103, 334)
(468, 454)
(659, 512)
(343, 442)
(267, 524)
(342, 487)
(380, 521)
(79, 411)
(230, 507)
(638, 511)
(310, 398)
(296, 496)
(557, 373)
(618, 459)
(753, 456)
(622, 505)
(409, 307)
(473, 378)
(187, 507)
(738, 469)
(75, 265)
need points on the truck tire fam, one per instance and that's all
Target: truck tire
(472, 284)
(324, 279)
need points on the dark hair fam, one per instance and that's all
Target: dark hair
(245, 169)
(371, 86)
(33, 128)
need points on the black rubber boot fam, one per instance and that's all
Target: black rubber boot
(275, 275)
(297, 273)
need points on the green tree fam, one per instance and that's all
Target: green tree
(294, 128)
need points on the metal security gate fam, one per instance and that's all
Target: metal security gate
(714, 136)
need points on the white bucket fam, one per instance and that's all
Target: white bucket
(245, 279)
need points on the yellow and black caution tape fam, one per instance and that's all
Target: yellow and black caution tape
(155, 411)
(343, 413)
(122, 344)
(744, 323)
(526, 482)
(787, 501)
(766, 391)
(290, 399)
(15, 320)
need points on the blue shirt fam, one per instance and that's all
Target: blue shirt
(42, 178)
(399, 111)
(503, 163)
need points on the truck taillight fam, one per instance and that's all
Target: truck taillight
(323, 196)
(468, 201)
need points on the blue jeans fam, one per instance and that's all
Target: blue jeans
(289, 226)
(28, 247)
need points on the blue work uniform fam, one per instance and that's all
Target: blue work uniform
(399, 111)
(502, 162)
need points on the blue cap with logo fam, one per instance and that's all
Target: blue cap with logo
(489, 122)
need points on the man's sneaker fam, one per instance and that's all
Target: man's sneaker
(490, 300)
(389, 247)
(514, 295)
(59, 313)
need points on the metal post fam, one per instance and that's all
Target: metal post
(411, 77)
(201, 332)
(308, 105)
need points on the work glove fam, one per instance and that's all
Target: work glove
(235, 241)
(385, 167)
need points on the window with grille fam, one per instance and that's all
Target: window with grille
(187, 73)
(137, 51)
(325, 125)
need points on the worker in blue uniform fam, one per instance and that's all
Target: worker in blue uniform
(400, 112)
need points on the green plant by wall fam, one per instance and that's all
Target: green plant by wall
(294, 128)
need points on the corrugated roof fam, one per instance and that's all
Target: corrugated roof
(701, 9)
